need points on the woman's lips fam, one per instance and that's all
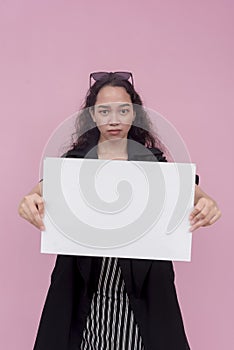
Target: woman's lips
(114, 132)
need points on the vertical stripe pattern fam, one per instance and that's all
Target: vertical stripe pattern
(111, 324)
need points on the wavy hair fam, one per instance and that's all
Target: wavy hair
(86, 132)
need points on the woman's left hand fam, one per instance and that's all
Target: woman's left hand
(205, 212)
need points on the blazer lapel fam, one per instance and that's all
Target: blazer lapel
(134, 273)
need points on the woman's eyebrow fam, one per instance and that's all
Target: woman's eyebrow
(125, 105)
(103, 106)
(108, 106)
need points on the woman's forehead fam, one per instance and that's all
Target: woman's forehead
(112, 94)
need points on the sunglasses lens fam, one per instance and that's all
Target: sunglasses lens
(99, 75)
(124, 75)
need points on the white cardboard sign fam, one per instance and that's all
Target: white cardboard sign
(117, 208)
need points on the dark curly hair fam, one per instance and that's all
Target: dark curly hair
(86, 131)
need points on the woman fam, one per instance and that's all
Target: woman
(110, 303)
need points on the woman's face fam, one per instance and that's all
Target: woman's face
(113, 113)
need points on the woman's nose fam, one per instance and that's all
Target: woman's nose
(114, 118)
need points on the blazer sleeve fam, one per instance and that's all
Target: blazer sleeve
(161, 158)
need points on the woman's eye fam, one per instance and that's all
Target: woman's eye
(104, 111)
(124, 111)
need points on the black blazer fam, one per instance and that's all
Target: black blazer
(149, 284)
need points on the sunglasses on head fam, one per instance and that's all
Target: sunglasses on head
(105, 75)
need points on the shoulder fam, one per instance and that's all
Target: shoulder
(158, 154)
(74, 153)
(161, 158)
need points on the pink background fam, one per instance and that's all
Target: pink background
(181, 54)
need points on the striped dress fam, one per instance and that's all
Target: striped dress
(111, 324)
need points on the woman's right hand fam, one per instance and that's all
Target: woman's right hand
(31, 208)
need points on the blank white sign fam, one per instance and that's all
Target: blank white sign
(117, 208)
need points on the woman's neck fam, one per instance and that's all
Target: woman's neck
(112, 149)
